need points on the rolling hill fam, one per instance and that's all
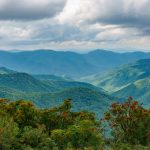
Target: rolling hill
(50, 91)
(4, 70)
(23, 82)
(70, 64)
(51, 78)
(129, 80)
(83, 99)
(139, 89)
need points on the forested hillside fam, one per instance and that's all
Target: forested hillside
(132, 79)
(49, 91)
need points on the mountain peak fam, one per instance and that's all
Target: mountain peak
(100, 51)
(4, 70)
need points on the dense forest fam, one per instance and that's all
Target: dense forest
(23, 126)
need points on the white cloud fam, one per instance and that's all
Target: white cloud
(15, 31)
(116, 34)
(124, 12)
(75, 24)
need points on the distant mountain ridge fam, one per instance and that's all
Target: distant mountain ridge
(4, 70)
(70, 64)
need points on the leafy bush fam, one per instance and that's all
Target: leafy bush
(25, 127)
(130, 123)
(8, 132)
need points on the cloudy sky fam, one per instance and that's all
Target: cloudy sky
(82, 25)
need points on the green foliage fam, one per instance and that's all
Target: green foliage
(8, 132)
(84, 134)
(36, 138)
(25, 127)
(130, 123)
(122, 146)
(60, 138)
(24, 113)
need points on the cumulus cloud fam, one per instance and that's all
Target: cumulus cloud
(75, 24)
(124, 12)
(29, 9)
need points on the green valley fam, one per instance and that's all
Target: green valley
(129, 80)
(49, 91)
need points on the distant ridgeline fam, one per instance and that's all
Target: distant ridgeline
(67, 63)
(50, 75)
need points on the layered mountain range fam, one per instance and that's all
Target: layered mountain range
(49, 91)
(129, 80)
(93, 80)
(67, 63)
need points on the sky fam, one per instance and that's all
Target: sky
(77, 25)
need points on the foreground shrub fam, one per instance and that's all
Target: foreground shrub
(25, 127)
(122, 146)
(130, 122)
(35, 138)
(8, 132)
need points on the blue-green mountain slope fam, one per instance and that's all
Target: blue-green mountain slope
(50, 93)
(67, 63)
(129, 80)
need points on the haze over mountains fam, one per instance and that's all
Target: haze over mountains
(128, 80)
(67, 63)
(47, 77)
